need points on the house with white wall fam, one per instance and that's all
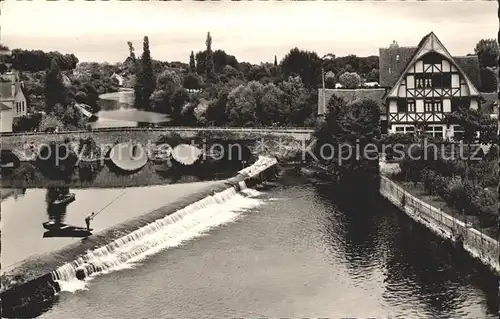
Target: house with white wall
(12, 95)
(6, 118)
(425, 83)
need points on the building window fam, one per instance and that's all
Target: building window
(404, 129)
(411, 106)
(428, 83)
(402, 106)
(419, 83)
(432, 58)
(434, 130)
(397, 57)
(441, 80)
(390, 71)
(433, 106)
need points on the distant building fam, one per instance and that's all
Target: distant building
(11, 95)
(424, 83)
(6, 118)
(118, 78)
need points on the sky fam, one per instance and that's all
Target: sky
(252, 31)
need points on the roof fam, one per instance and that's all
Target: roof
(491, 99)
(350, 95)
(470, 66)
(6, 90)
(388, 60)
(4, 107)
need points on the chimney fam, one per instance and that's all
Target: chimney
(394, 44)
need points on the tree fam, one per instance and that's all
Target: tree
(273, 110)
(487, 51)
(168, 84)
(145, 84)
(350, 80)
(209, 61)
(305, 64)
(373, 76)
(296, 100)
(221, 59)
(349, 128)
(55, 91)
(192, 81)
(489, 80)
(275, 61)
(242, 104)
(192, 63)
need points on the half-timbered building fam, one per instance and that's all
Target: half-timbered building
(423, 84)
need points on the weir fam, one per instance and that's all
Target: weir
(153, 237)
(125, 244)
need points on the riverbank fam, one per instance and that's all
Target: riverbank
(33, 277)
(478, 245)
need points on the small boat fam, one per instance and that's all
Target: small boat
(65, 199)
(52, 225)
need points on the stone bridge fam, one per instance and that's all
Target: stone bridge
(279, 142)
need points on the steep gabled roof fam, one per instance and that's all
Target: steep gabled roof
(430, 43)
(396, 59)
(470, 66)
(350, 95)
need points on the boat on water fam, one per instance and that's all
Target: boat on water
(64, 199)
(51, 225)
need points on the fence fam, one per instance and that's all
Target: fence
(296, 130)
(474, 241)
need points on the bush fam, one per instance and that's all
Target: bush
(350, 80)
(26, 123)
(428, 178)
(456, 195)
(440, 186)
(484, 204)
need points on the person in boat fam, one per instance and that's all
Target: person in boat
(88, 219)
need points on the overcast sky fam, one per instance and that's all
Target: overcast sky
(252, 31)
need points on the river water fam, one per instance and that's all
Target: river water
(291, 251)
(117, 111)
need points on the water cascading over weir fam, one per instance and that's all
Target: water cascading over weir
(153, 237)
(133, 241)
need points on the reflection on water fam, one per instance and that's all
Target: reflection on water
(56, 212)
(117, 109)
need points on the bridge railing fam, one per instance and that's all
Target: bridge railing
(171, 128)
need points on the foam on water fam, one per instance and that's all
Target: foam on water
(185, 224)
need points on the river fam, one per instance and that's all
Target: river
(291, 251)
(117, 111)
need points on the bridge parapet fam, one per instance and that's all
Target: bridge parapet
(259, 140)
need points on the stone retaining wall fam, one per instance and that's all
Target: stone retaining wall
(478, 245)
